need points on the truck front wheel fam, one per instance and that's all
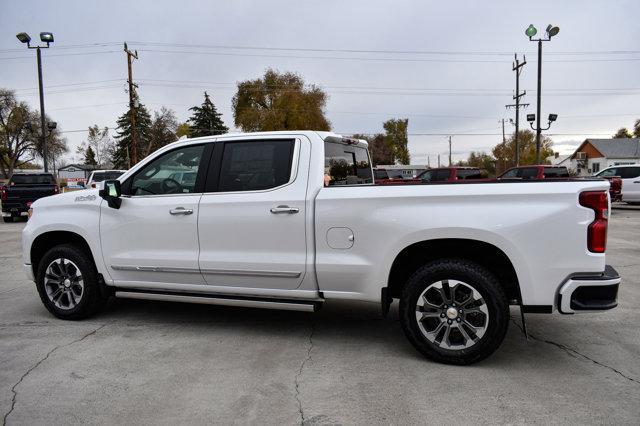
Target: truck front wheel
(454, 311)
(67, 283)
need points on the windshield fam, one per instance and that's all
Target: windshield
(32, 180)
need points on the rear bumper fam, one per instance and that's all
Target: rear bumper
(589, 293)
(14, 209)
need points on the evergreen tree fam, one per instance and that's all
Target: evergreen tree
(90, 157)
(206, 120)
(122, 155)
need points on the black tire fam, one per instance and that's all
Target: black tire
(7, 219)
(92, 299)
(472, 275)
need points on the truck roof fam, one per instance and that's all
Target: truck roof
(325, 136)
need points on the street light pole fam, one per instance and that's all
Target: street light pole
(42, 118)
(531, 31)
(539, 101)
(47, 38)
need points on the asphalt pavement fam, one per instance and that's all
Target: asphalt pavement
(161, 363)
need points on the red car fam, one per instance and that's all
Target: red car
(391, 177)
(541, 171)
(450, 174)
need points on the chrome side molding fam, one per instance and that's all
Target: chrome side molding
(250, 273)
(223, 301)
(235, 272)
(155, 269)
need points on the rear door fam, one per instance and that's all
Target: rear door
(252, 221)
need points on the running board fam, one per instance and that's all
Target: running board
(286, 305)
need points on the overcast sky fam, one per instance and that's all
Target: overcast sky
(591, 70)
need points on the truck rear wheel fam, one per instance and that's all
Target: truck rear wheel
(67, 283)
(454, 311)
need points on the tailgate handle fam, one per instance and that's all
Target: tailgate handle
(284, 209)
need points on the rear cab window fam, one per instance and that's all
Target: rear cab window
(556, 172)
(346, 164)
(35, 179)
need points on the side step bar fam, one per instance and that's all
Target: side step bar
(287, 305)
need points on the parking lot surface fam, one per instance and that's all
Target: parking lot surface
(162, 363)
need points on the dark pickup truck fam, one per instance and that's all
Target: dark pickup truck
(22, 190)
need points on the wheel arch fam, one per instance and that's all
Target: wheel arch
(47, 240)
(486, 254)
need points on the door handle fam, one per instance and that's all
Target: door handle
(284, 209)
(180, 210)
(636, 181)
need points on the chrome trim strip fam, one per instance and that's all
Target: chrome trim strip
(243, 273)
(265, 304)
(155, 269)
(235, 272)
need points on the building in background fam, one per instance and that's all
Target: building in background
(594, 155)
(74, 173)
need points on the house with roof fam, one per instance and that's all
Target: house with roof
(594, 155)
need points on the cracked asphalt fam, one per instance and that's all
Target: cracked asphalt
(161, 363)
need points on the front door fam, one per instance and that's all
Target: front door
(252, 220)
(153, 237)
(630, 183)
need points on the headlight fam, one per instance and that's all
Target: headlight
(30, 212)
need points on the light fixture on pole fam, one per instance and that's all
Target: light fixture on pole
(45, 37)
(530, 32)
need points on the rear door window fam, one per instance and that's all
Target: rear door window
(441, 175)
(510, 174)
(346, 165)
(255, 165)
(528, 173)
(466, 174)
(629, 172)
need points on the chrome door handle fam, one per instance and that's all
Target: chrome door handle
(180, 210)
(284, 209)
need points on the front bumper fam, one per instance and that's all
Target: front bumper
(589, 293)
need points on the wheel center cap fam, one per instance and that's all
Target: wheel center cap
(67, 283)
(452, 313)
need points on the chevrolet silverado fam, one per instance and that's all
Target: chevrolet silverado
(289, 220)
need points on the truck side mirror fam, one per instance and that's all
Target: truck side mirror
(111, 192)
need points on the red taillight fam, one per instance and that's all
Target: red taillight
(56, 189)
(597, 231)
(3, 193)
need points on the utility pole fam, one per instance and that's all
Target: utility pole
(503, 138)
(438, 160)
(517, 67)
(134, 151)
(450, 163)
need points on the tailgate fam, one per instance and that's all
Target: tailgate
(29, 192)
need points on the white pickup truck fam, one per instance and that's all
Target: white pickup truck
(288, 220)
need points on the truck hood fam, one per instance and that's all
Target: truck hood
(85, 196)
